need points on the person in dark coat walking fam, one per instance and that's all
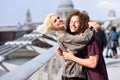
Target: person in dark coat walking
(108, 47)
(113, 38)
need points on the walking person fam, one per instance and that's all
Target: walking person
(108, 53)
(114, 41)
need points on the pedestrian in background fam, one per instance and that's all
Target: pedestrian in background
(114, 41)
(108, 54)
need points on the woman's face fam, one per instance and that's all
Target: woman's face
(75, 24)
(57, 23)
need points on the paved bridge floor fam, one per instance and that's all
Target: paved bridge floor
(113, 66)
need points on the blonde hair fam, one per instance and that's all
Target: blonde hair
(46, 27)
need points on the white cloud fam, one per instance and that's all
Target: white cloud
(108, 4)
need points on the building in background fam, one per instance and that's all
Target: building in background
(64, 8)
(112, 20)
(12, 32)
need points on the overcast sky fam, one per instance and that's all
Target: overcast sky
(14, 11)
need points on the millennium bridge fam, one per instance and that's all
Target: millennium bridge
(45, 65)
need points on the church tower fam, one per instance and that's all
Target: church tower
(28, 17)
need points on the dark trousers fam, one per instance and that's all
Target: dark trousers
(73, 78)
(114, 50)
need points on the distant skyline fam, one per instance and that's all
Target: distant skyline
(14, 11)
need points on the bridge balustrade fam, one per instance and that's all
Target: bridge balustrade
(46, 66)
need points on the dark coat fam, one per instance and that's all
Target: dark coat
(100, 36)
(112, 43)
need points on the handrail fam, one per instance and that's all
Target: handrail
(26, 70)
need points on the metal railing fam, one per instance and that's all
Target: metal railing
(46, 66)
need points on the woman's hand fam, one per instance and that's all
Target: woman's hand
(68, 55)
(59, 52)
(91, 24)
(95, 25)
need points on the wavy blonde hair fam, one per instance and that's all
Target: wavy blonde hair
(46, 27)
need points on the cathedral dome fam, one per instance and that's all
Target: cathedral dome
(64, 7)
(112, 13)
(66, 3)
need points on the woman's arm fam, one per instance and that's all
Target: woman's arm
(84, 38)
(74, 42)
(90, 62)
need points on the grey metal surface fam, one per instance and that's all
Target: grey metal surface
(24, 41)
(12, 46)
(27, 69)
